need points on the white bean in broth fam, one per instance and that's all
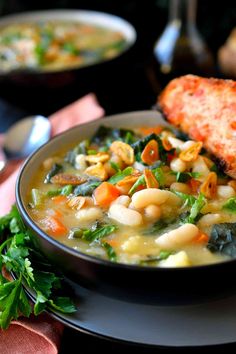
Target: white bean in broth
(169, 205)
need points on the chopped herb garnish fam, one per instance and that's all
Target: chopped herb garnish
(230, 205)
(99, 232)
(115, 166)
(185, 176)
(140, 182)
(111, 254)
(92, 152)
(153, 259)
(160, 177)
(17, 254)
(121, 175)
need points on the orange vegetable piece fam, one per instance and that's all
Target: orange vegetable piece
(150, 179)
(128, 180)
(54, 226)
(208, 188)
(201, 238)
(191, 154)
(59, 199)
(56, 213)
(150, 130)
(150, 153)
(105, 194)
(232, 183)
(166, 144)
(113, 242)
(194, 185)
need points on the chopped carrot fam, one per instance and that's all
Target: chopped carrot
(57, 213)
(59, 199)
(201, 238)
(105, 194)
(150, 179)
(54, 226)
(150, 130)
(113, 242)
(150, 153)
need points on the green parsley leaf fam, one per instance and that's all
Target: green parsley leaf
(121, 175)
(185, 176)
(110, 251)
(230, 205)
(30, 268)
(140, 182)
(98, 233)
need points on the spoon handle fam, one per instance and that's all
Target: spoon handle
(3, 161)
(2, 165)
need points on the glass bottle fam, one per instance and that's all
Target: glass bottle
(181, 49)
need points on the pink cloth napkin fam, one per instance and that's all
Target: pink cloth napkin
(40, 335)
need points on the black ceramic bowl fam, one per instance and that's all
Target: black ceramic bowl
(134, 283)
(38, 89)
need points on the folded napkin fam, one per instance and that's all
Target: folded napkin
(40, 335)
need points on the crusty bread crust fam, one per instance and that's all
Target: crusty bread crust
(205, 109)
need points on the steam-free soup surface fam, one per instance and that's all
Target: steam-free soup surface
(53, 45)
(146, 197)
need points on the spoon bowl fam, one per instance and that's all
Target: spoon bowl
(24, 137)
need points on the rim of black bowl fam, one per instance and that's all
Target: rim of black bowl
(23, 210)
(40, 71)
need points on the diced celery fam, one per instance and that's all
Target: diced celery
(37, 197)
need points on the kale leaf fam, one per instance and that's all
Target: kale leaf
(223, 239)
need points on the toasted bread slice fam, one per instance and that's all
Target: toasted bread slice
(205, 109)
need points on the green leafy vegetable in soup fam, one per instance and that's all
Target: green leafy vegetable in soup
(140, 196)
(52, 45)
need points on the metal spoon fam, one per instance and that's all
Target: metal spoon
(24, 137)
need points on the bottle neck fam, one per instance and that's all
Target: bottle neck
(183, 12)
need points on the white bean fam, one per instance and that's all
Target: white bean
(210, 219)
(176, 143)
(145, 197)
(178, 237)
(123, 200)
(177, 165)
(200, 167)
(89, 214)
(180, 187)
(152, 212)
(173, 199)
(187, 145)
(225, 192)
(124, 215)
(80, 162)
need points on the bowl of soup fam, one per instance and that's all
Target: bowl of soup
(54, 52)
(133, 207)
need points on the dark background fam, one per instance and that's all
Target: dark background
(132, 91)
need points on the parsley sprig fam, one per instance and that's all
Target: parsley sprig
(18, 255)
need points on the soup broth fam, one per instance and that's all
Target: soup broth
(54, 45)
(144, 197)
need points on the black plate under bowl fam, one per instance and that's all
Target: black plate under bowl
(130, 282)
(200, 325)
